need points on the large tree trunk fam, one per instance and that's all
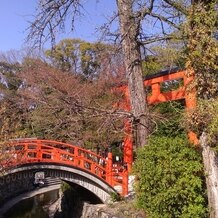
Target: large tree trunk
(211, 173)
(129, 28)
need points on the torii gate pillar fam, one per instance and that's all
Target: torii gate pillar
(154, 81)
(190, 103)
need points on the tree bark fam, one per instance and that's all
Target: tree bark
(129, 29)
(211, 173)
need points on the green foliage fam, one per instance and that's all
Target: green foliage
(80, 57)
(170, 179)
(65, 186)
(64, 54)
(202, 55)
(115, 197)
(13, 113)
(167, 56)
(168, 117)
(150, 65)
(9, 80)
(205, 118)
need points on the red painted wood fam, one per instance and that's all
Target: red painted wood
(46, 151)
(156, 96)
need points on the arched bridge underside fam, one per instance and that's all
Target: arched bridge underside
(23, 158)
(66, 173)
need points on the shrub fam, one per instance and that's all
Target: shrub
(170, 183)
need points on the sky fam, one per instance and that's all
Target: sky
(16, 14)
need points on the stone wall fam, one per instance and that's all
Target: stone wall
(95, 211)
(13, 184)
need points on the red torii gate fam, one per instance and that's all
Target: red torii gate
(184, 91)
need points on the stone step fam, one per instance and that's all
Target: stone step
(50, 181)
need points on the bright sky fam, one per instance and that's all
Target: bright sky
(15, 14)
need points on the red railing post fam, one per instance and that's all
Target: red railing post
(109, 167)
(125, 182)
(39, 152)
(82, 160)
(25, 153)
(93, 168)
(76, 154)
(56, 155)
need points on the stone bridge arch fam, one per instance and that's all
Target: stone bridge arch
(20, 179)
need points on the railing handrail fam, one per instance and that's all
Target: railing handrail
(48, 151)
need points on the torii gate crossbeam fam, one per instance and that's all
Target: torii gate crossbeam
(184, 91)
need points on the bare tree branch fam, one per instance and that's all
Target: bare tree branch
(145, 11)
(178, 6)
(50, 19)
(157, 39)
(165, 20)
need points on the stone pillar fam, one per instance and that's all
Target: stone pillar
(211, 174)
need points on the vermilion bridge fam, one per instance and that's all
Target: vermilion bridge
(94, 172)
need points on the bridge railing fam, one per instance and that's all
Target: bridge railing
(46, 151)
